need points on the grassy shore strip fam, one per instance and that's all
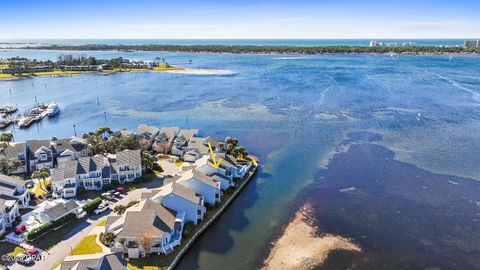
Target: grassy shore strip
(262, 49)
(62, 73)
(191, 233)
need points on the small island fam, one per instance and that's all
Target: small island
(268, 49)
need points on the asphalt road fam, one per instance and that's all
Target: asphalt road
(63, 248)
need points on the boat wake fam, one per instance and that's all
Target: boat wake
(475, 95)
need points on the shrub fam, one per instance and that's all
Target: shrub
(32, 234)
(80, 190)
(64, 219)
(92, 205)
(157, 167)
(108, 186)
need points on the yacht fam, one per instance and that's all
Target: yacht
(53, 109)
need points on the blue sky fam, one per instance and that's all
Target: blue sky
(240, 19)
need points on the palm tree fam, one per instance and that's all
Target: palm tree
(109, 237)
(120, 209)
(6, 137)
(43, 174)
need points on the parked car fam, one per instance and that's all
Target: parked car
(24, 259)
(31, 251)
(101, 208)
(121, 189)
(107, 196)
(117, 194)
(20, 228)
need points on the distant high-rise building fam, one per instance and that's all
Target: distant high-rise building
(472, 43)
(373, 43)
(70, 57)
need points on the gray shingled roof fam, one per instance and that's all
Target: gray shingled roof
(113, 261)
(86, 264)
(188, 133)
(227, 160)
(146, 221)
(204, 178)
(129, 157)
(185, 193)
(61, 209)
(90, 164)
(34, 145)
(111, 219)
(8, 183)
(63, 144)
(65, 170)
(148, 130)
(12, 150)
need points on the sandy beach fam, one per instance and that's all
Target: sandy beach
(201, 71)
(300, 248)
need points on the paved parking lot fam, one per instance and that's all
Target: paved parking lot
(62, 249)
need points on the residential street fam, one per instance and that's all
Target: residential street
(63, 248)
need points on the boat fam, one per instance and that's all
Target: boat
(52, 109)
(8, 109)
(5, 123)
(25, 122)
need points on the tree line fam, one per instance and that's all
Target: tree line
(262, 49)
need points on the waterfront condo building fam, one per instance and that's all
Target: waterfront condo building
(472, 43)
(179, 198)
(92, 173)
(162, 226)
(13, 196)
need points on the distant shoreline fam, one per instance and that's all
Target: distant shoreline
(263, 49)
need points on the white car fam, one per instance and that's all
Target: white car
(101, 208)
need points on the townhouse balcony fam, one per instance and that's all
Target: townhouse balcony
(70, 185)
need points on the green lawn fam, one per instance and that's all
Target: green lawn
(88, 245)
(178, 162)
(39, 189)
(102, 222)
(10, 249)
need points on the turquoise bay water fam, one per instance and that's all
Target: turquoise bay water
(291, 111)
